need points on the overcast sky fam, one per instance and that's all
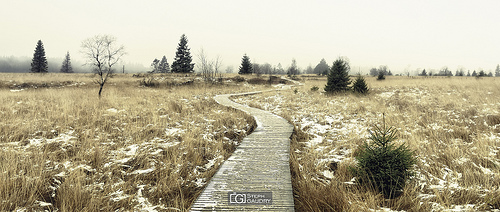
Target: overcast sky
(404, 35)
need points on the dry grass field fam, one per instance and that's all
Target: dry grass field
(137, 148)
(452, 124)
(154, 148)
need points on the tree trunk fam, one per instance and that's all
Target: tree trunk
(100, 89)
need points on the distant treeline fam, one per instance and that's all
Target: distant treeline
(14, 64)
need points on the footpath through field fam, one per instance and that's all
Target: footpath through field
(257, 175)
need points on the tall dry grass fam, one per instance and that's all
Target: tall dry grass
(451, 123)
(62, 148)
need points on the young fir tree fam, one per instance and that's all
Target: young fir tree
(163, 67)
(246, 65)
(382, 165)
(39, 63)
(66, 65)
(338, 77)
(359, 85)
(182, 62)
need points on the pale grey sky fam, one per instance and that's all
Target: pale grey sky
(400, 34)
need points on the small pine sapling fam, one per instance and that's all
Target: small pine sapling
(382, 165)
(359, 85)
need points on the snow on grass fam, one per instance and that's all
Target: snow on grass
(174, 131)
(332, 134)
(143, 203)
(118, 195)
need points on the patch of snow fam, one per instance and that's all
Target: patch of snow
(328, 174)
(200, 182)
(212, 162)
(173, 131)
(315, 141)
(143, 171)
(144, 204)
(131, 150)
(118, 195)
(112, 110)
(43, 204)
(169, 144)
(387, 95)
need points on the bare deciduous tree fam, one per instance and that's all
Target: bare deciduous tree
(102, 54)
(209, 68)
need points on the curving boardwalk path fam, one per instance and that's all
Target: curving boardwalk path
(259, 164)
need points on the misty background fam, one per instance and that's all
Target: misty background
(405, 36)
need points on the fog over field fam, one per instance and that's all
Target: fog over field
(405, 36)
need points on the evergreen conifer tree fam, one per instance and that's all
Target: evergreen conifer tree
(424, 73)
(474, 73)
(66, 65)
(39, 63)
(497, 71)
(338, 77)
(164, 67)
(182, 62)
(246, 65)
(382, 164)
(322, 68)
(359, 85)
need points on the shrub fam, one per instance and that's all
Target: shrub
(359, 85)
(380, 76)
(238, 79)
(148, 82)
(257, 81)
(382, 165)
(315, 88)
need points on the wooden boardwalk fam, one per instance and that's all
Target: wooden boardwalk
(259, 164)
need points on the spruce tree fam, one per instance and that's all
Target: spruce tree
(359, 85)
(163, 67)
(321, 68)
(39, 63)
(182, 62)
(246, 65)
(497, 71)
(338, 77)
(66, 65)
(424, 73)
